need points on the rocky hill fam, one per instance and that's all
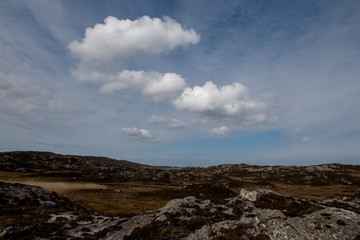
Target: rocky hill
(260, 214)
(107, 169)
(102, 198)
(35, 161)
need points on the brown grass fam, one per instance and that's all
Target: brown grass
(120, 199)
(307, 192)
(316, 192)
(108, 198)
(109, 202)
(15, 175)
(128, 198)
(61, 187)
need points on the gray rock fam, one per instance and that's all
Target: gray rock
(252, 196)
(16, 195)
(252, 220)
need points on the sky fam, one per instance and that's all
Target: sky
(182, 83)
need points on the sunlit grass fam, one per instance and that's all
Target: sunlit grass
(108, 198)
(316, 192)
(130, 198)
(114, 203)
(61, 187)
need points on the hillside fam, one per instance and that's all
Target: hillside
(55, 196)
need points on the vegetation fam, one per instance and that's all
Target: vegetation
(120, 188)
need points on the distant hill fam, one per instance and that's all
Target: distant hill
(100, 169)
(34, 161)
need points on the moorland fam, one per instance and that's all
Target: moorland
(53, 196)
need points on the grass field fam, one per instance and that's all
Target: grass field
(108, 198)
(130, 198)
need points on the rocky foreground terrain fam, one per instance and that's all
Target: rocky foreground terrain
(220, 202)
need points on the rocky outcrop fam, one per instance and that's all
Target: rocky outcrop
(39, 213)
(259, 214)
(317, 175)
(14, 195)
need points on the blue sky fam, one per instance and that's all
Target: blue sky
(182, 82)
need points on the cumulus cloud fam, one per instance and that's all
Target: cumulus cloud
(154, 86)
(138, 135)
(305, 139)
(226, 102)
(164, 86)
(118, 38)
(220, 130)
(121, 39)
(169, 122)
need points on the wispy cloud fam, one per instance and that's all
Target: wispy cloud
(297, 130)
(169, 122)
(21, 96)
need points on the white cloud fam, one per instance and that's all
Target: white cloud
(175, 123)
(169, 122)
(154, 86)
(305, 139)
(118, 40)
(164, 86)
(227, 102)
(122, 39)
(220, 130)
(138, 135)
